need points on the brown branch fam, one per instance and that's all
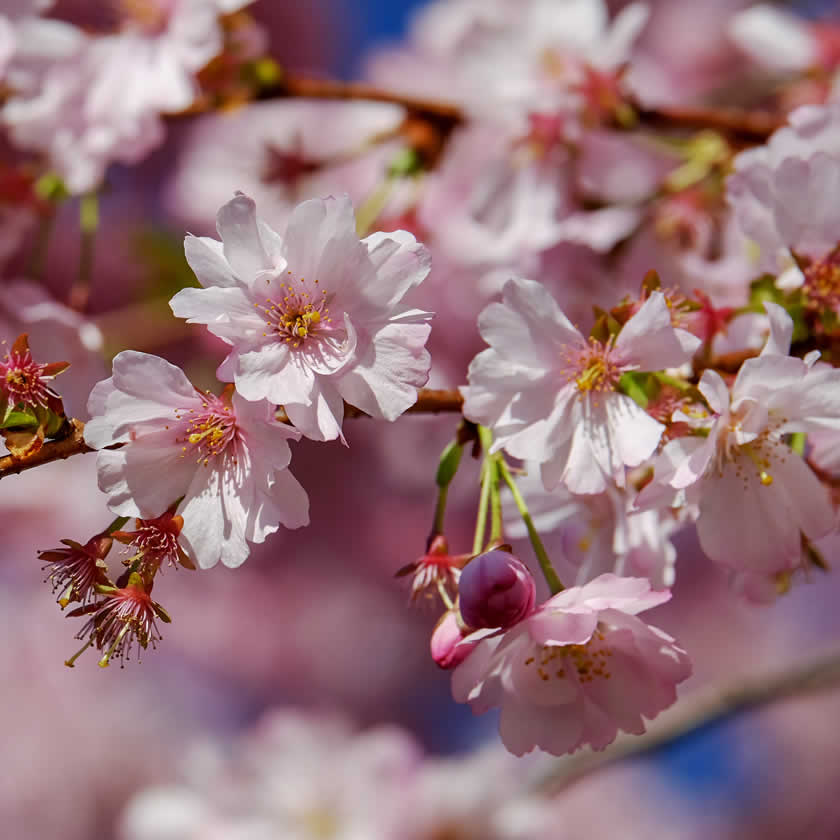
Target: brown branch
(820, 674)
(298, 87)
(54, 450)
(429, 401)
(749, 126)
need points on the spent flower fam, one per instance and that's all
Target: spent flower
(75, 571)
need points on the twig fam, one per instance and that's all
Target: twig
(429, 401)
(753, 126)
(691, 713)
(299, 87)
(55, 450)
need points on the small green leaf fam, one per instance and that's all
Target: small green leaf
(450, 460)
(635, 386)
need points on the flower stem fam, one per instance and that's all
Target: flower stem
(549, 574)
(495, 499)
(372, 206)
(483, 504)
(492, 476)
(450, 460)
(89, 224)
(440, 510)
(117, 524)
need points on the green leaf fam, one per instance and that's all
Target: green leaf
(18, 417)
(450, 459)
(635, 385)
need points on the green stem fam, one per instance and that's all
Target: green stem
(539, 549)
(483, 504)
(495, 500)
(89, 224)
(440, 509)
(372, 206)
(117, 524)
(450, 460)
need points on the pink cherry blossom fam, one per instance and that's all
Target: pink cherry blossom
(226, 457)
(577, 670)
(100, 102)
(550, 395)
(279, 154)
(314, 317)
(774, 38)
(781, 193)
(756, 496)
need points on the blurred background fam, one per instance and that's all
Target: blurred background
(315, 619)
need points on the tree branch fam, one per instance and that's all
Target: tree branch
(429, 401)
(822, 673)
(750, 126)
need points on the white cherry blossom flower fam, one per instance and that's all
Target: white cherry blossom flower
(225, 456)
(314, 317)
(577, 670)
(756, 496)
(551, 396)
(90, 101)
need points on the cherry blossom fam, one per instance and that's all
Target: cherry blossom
(101, 101)
(225, 456)
(577, 670)
(756, 496)
(279, 154)
(551, 396)
(781, 192)
(314, 317)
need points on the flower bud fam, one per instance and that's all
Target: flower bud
(444, 642)
(495, 590)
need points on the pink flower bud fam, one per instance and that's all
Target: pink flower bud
(495, 590)
(444, 642)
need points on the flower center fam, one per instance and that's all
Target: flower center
(822, 283)
(297, 315)
(590, 367)
(23, 381)
(760, 453)
(588, 660)
(207, 431)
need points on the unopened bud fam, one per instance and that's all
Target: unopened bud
(495, 590)
(444, 644)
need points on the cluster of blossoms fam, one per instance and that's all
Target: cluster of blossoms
(311, 776)
(628, 432)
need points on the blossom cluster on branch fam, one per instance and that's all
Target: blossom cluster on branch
(660, 307)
